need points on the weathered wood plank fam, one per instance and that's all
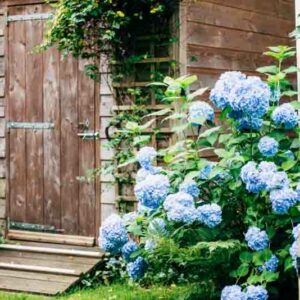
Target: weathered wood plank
(37, 276)
(217, 15)
(17, 169)
(52, 165)
(87, 148)
(34, 113)
(50, 238)
(57, 250)
(218, 37)
(69, 145)
(48, 258)
(218, 58)
(32, 285)
(267, 7)
(18, 264)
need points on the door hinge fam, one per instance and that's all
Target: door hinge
(29, 17)
(89, 135)
(29, 125)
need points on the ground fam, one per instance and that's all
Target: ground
(115, 292)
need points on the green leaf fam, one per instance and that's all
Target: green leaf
(291, 69)
(287, 165)
(141, 140)
(186, 81)
(191, 175)
(243, 270)
(223, 153)
(210, 131)
(159, 113)
(289, 93)
(127, 162)
(197, 93)
(295, 143)
(246, 257)
(295, 104)
(268, 69)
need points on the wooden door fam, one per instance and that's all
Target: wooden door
(48, 97)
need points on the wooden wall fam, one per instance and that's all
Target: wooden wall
(2, 123)
(222, 35)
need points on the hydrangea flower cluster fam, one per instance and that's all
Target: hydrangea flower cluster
(294, 248)
(129, 248)
(143, 173)
(283, 199)
(233, 292)
(113, 234)
(220, 94)
(268, 146)
(270, 265)
(180, 207)
(285, 115)
(210, 215)
(152, 191)
(137, 268)
(145, 157)
(190, 187)
(248, 98)
(256, 292)
(199, 112)
(149, 245)
(257, 239)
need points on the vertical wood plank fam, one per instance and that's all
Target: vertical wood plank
(16, 99)
(52, 180)
(34, 113)
(69, 145)
(86, 104)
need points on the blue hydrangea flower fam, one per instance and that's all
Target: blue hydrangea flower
(152, 191)
(129, 248)
(266, 166)
(275, 180)
(143, 210)
(257, 292)
(232, 292)
(149, 245)
(210, 215)
(282, 200)
(206, 170)
(113, 234)
(296, 231)
(199, 112)
(250, 96)
(270, 265)
(129, 217)
(285, 115)
(251, 176)
(298, 191)
(143, 173)
(182, 214)
(256, 239)
(247, 123)
(180, 198)
(145, 156)
(136, 269)
(221, 92)
(268, 146)
(294, 253)
(190, 187)
(157, 227)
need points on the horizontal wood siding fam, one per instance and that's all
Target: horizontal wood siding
(219, 35)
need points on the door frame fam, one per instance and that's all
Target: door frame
(5, 5)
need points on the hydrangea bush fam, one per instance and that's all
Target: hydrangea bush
(228, 224)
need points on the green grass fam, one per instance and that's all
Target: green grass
(117, 292)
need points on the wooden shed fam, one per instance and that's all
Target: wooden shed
(47, 105)
(50, 113)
